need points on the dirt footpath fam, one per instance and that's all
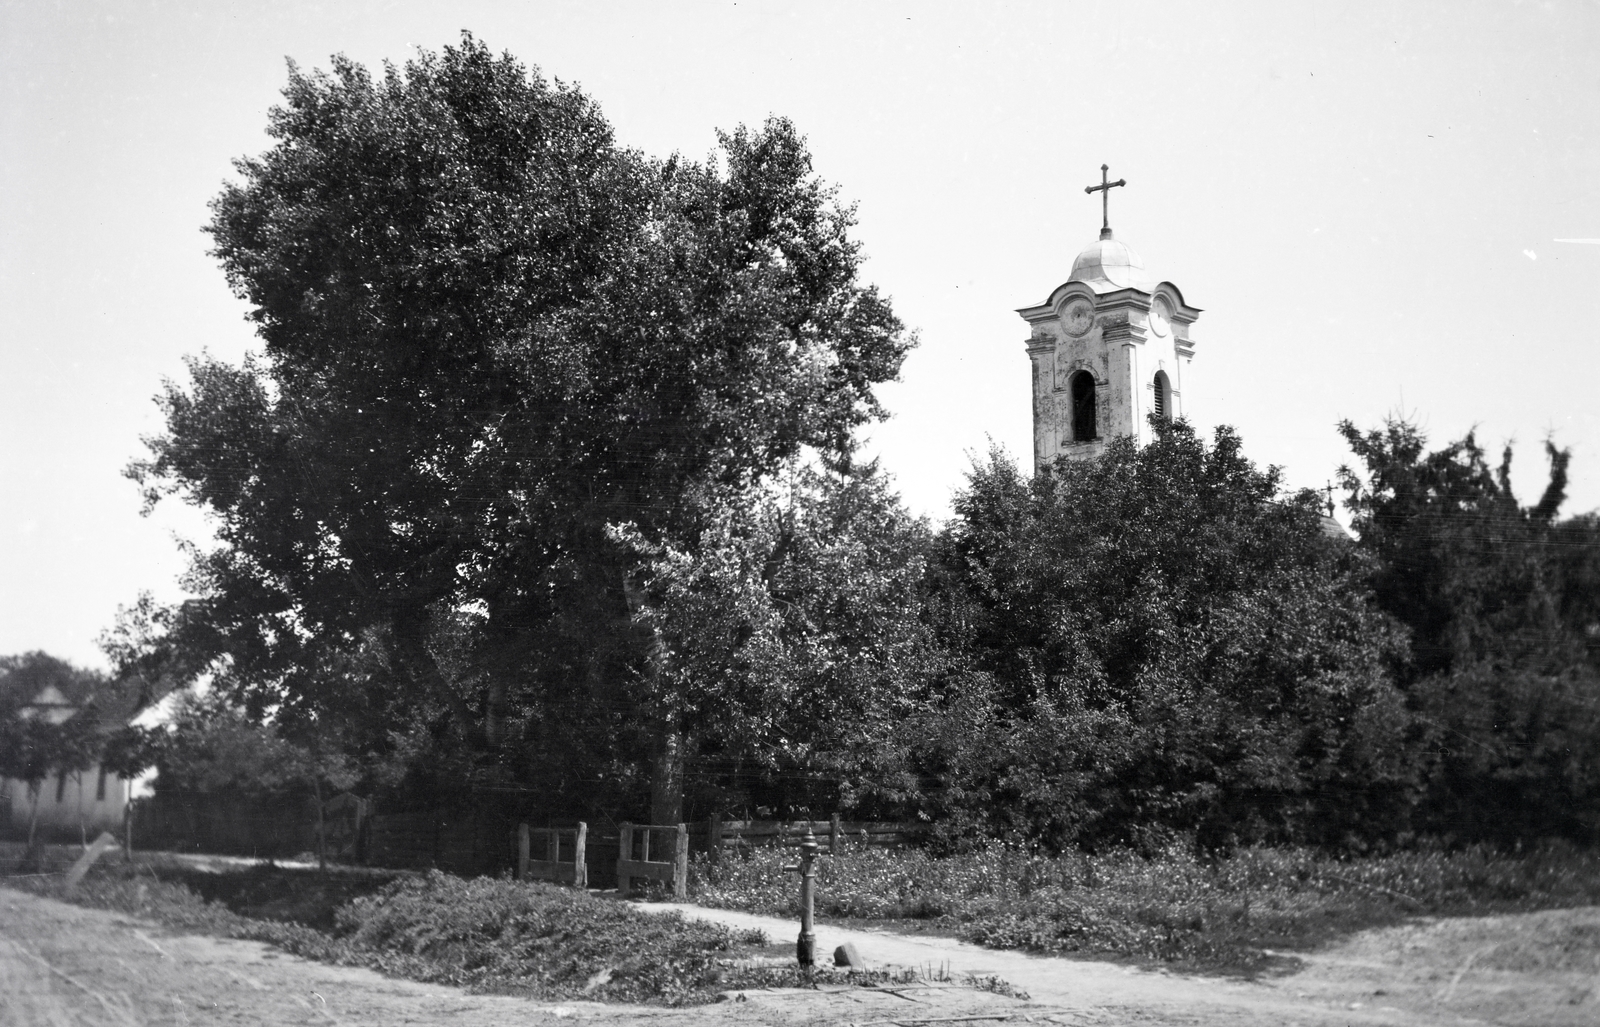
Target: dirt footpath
(1538, 969)
(66, 965)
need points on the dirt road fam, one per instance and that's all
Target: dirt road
(66, 965)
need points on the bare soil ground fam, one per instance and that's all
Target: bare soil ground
(62, 964)
(1538, 969)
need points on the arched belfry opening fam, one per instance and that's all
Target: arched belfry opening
(1109, 346)
(1084, 421)
(1161, 396)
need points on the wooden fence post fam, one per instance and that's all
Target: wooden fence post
(580, 869)
(624, 854)
(522, 852)
(833, 836)
(680, 869)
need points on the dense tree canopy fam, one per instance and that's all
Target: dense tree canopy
(490, 334)
(543, 477)
(1462, 564)
(210, 745)
(1156, 642)
(1501, 603)
(790, 636)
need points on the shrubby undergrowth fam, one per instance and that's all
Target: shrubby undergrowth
(539, 939)
(486, 934)
(1223, 914)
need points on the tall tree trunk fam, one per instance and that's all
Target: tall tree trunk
(493, 712)
(666, 779)
(322, 834)
(666, 770)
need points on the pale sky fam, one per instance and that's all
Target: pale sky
(1365, 200)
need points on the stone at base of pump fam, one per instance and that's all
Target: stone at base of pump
(847, 956)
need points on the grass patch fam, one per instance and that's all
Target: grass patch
(489, 935)
(1210, 915)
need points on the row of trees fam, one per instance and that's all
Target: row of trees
(1158, 641)
(546, 478)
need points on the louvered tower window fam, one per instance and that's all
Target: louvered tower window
(1163, 396)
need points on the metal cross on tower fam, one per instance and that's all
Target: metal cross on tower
(1104, 189)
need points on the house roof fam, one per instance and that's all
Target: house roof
(116, 703)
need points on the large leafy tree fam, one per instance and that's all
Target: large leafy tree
(489, 334)
(1500, 601)
(1157, 641)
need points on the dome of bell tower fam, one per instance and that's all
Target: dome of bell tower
(1108, 260)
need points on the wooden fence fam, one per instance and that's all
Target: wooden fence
(834, 834)
(480, 840)
(635, 838)
(197, 822)
(573, 871)
(460, 841)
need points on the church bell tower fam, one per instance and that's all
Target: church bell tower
(1109, 348)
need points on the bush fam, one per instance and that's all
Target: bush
(537, 939)
(1516, 753)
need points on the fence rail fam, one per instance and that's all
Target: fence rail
(835, 834)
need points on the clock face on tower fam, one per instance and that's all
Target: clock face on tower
(1161, 317)
(1078, 317)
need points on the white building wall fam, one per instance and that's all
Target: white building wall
(77, 808)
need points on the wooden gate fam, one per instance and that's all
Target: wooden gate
(552, 867)
(674, 873)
